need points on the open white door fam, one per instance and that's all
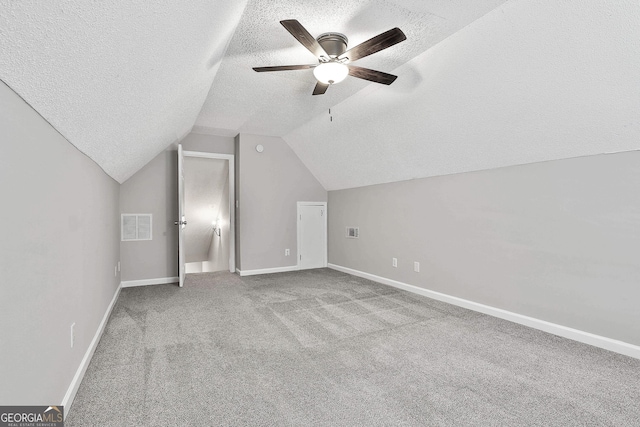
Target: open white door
(182, 221)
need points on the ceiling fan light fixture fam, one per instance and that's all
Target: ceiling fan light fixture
(331, 72)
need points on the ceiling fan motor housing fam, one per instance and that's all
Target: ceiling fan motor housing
(333, 57)
(335, 44)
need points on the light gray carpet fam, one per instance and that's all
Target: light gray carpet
(320, 347)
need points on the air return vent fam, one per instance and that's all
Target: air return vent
(136, 227)
(353, 232)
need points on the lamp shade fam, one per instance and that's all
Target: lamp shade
(331, 72)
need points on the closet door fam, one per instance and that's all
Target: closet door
(312, 235)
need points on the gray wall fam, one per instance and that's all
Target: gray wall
(208, 143)
(58, 254)
(557, 241)
(154, 189)
(269, 185)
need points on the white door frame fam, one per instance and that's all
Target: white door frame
(232, 199)
(181, 219)
(326, 230)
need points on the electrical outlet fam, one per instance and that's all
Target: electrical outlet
(416, 266)
(287, 252)
(394, 262)
(72, 334)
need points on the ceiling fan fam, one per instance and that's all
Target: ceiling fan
(334, 60)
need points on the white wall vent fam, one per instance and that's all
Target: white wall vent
(353, 232)
(136, 227)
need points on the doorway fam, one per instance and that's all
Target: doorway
(312, 235)
(206, 200)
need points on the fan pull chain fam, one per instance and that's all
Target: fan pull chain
(330, 116)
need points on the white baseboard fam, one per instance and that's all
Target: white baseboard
(70, 395)
(552, 328)
(267, 270)
(147, 282)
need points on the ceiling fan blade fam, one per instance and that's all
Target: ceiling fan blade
(320, 88)
(375, 44)
(371, 75)
(283, 68)
(302, 35)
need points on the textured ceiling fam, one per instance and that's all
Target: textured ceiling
(482, 84)
(242, 100)
(120, 79)
(530, 81)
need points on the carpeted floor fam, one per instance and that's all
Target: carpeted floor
(319, 347)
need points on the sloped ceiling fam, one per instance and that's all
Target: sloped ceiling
(530, 81)
(274, 104)
(120, 79)
(482, 84)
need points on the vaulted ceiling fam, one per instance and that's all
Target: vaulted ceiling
(481, 84)
(120, 79)
(276, 103)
